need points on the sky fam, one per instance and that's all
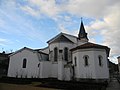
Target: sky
(31, 23)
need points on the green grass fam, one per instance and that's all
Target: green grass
(35, 83)
(6, 86)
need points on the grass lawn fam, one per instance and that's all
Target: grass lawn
(6, 86)
(47, 84)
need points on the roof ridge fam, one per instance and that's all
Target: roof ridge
(69, 35)
(21, 50)
(90, 45)
(40, 48)
(94, 44)
(61, 34)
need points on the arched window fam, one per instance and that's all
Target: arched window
(24, 63)
(66, 54)
(55, 54)
(86, 60)
(75, 61)
(100, 60)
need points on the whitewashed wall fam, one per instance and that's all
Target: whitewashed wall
(67, 75)
(45, 69)
(101, 71)
(54, 70)
(58, 67)
(60, 46)
(93, 70)
(16, 63)
(82, 71)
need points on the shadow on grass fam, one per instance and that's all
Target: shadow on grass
(54, 83)
(73, 85)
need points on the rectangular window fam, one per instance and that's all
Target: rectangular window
(60, 51)
(51, 55)
(86, 60)
(100, 60)
(24, 63)
(75, 61)
(66, 54)
(55, 54)
(100, 63)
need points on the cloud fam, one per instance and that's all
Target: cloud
(15, 24)
(105, 15)
(88, 8)
(30, 10)
(105, 25)
(4, 42)
(111, 34)
(41, 7)
(108, 28)
(53, 8)
(2, 22)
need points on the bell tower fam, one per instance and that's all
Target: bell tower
(82, 33)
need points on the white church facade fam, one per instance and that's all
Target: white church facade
(67, 57)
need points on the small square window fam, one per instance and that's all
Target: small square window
(60, 51)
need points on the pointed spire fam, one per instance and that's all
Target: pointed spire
(82, 33)
(82, 29)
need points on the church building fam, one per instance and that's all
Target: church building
(67, 57)
(118, 64)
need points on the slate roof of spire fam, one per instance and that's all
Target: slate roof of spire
(82, 29)
(82, 33)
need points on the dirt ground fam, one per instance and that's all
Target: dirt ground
(5, 86)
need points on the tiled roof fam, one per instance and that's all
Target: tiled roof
(70, 37)
(4, 54)
(118, 57)
(90, 45)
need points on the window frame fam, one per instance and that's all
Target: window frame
(24, 63)
(66, 53)
(75, 61)
(86, 62)
(100, 59)
(55, 54)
